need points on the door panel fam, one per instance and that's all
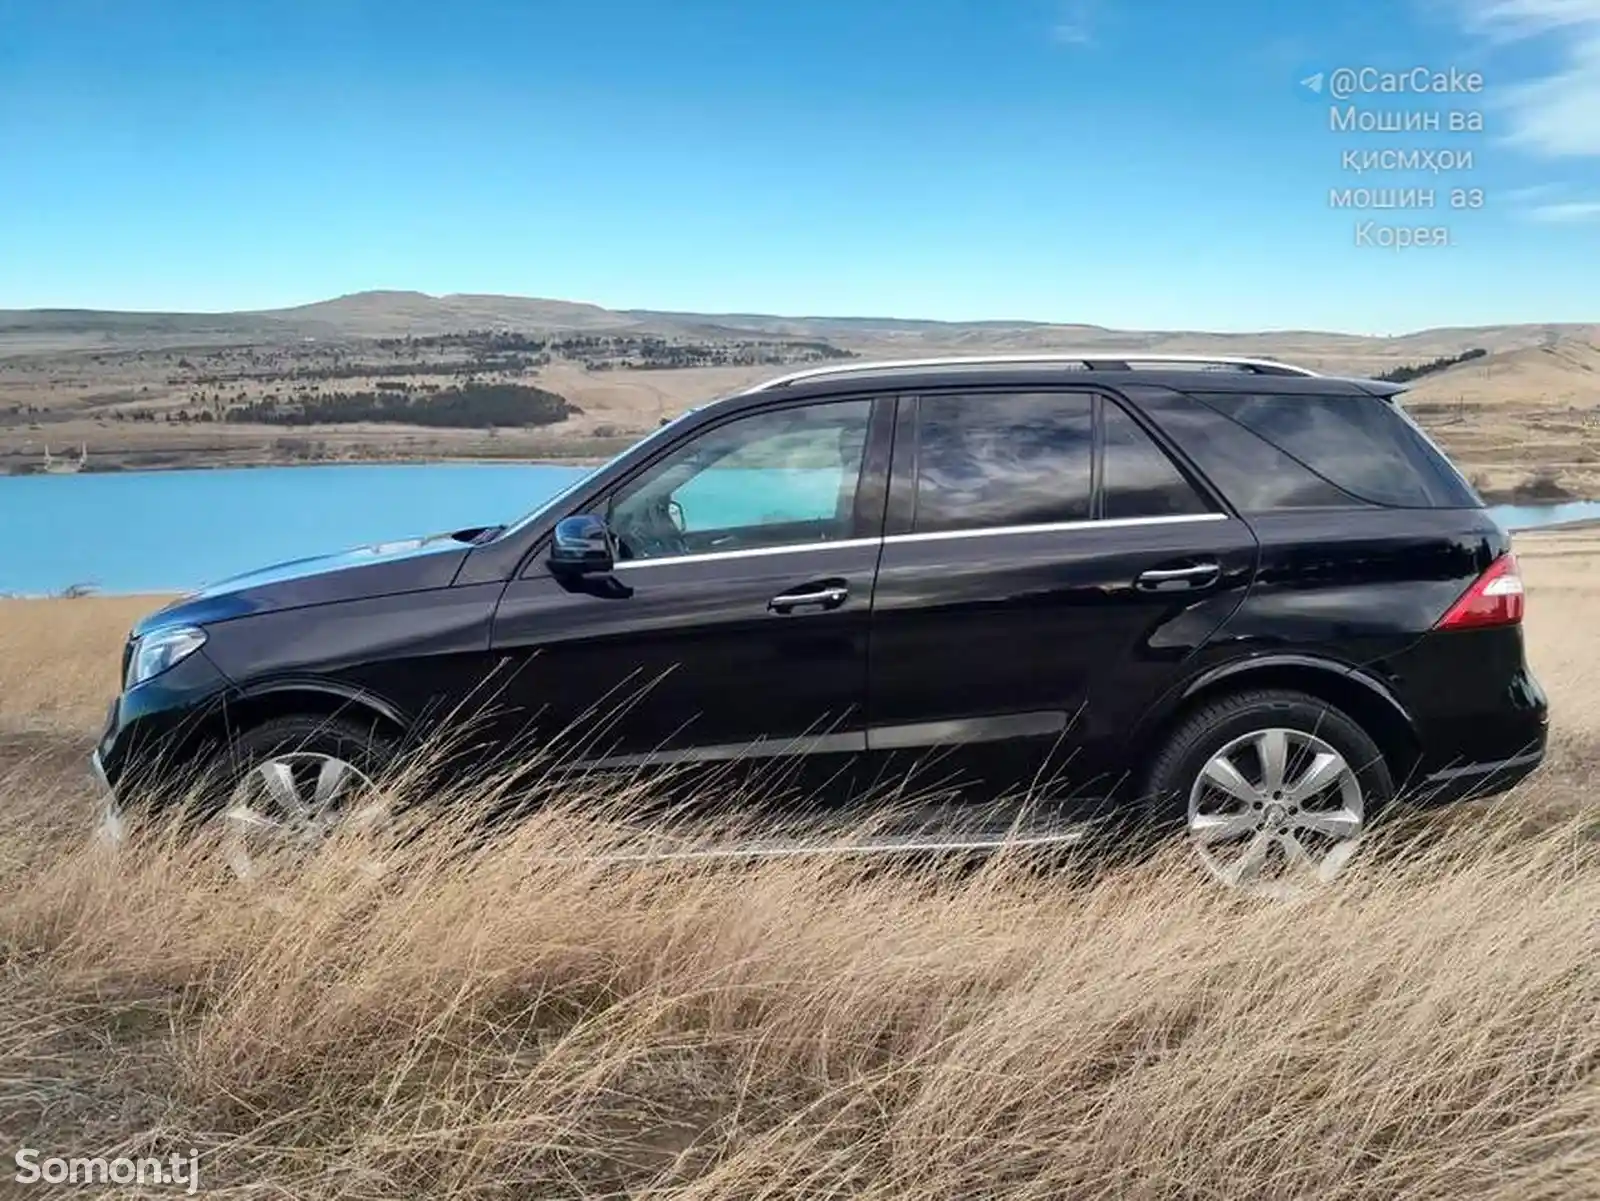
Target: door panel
(1071, 565)
(733, 633)
(1007, 655)
(681, 659)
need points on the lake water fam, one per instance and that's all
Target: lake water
(164, 531)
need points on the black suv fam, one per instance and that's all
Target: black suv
(1223, 592)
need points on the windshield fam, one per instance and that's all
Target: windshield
(578, 485)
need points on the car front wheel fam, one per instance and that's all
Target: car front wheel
(283, 786)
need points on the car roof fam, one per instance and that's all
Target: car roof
(1107, 369)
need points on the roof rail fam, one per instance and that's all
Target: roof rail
(1091, 361)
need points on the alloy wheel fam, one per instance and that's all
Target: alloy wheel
(1275, 811)
(290, 803)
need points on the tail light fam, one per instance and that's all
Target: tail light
(1495, 599)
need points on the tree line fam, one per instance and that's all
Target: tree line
(1405, 374)
(470, 406)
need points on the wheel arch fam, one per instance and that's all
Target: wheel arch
(167, 765)
(252, 705)
(1366, 700)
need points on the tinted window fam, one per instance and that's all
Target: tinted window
(1139, 479)
(1253, 474)
(780, 478)
(989, 460)
(1360, 443)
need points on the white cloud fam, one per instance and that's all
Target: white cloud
(1552, 204)
(1557, 115)
(1075, 24)
(1523, 18)
(1538, 191)
(1567, 213)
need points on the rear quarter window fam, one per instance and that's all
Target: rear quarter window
(1254, 475)
(1361, 444)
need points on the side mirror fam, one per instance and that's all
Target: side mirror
(582, 545)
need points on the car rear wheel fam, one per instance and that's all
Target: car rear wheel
(283, 786)
(1274, 788)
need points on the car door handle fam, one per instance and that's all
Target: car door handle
(1175, 579)
(825, 596)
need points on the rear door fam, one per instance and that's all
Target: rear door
(1047, 568)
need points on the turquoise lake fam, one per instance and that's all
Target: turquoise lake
(162, 531)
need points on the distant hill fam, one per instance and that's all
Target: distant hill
(393, 314)
(390, 314)
(468, 374)
(1566, 372)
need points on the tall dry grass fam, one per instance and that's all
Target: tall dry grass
(438, 1016)
(524, 1018)
(59, 658)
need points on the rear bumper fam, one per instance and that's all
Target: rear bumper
(1481, 719)
(1473, 780)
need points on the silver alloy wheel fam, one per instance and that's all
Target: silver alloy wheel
(291, 802)
(1275, 810)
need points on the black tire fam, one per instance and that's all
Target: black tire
(363, 745)
(1216, 723)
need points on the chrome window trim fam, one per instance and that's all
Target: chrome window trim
(751, 552)
(1054, 527)
(1105, 523)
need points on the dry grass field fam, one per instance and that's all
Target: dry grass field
(517, 1023)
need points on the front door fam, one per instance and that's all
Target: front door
(733, 633)
(1046, 568)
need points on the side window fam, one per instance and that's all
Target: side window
(781, 478)
(1139, 479)
(1362, 444)
(1250, 471)
(1003, 459)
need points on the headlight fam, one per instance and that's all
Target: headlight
(161, 649)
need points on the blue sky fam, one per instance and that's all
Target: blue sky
(1134, 163)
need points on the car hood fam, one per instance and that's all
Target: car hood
(380, 569)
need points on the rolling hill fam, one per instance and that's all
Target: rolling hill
(388, 314)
